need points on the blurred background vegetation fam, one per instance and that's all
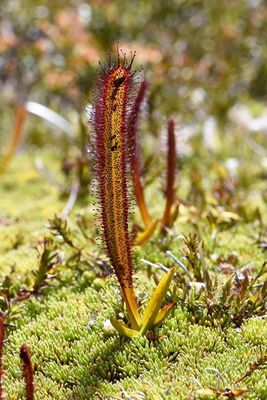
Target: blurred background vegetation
(202, 59)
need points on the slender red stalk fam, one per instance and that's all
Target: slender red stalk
(171, 161)
(27, 370)
(134, 162)
(111, 157)
(2, 336)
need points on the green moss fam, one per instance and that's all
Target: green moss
(74, 357)
(78, 359)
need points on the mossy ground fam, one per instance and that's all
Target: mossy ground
(75, 357)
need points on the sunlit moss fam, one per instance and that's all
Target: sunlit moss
(76, 358)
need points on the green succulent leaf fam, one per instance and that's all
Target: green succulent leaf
(153, 307)
(123, 329)
(163, 313)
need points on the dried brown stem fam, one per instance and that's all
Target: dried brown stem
(27, 370)
(140, 198)
(2, 334)
(171, 161)
(260, 363)
(136, 178)
(20, 118)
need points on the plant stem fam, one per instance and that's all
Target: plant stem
(171, 159)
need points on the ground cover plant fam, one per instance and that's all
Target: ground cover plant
(193, 190)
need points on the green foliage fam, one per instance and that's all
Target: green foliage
(216, 299)
(49, 258)
(74, 358)
(200, 349)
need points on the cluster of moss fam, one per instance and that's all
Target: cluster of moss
(76, 353)
(76, 358)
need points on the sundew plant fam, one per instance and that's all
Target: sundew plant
(113, 144)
